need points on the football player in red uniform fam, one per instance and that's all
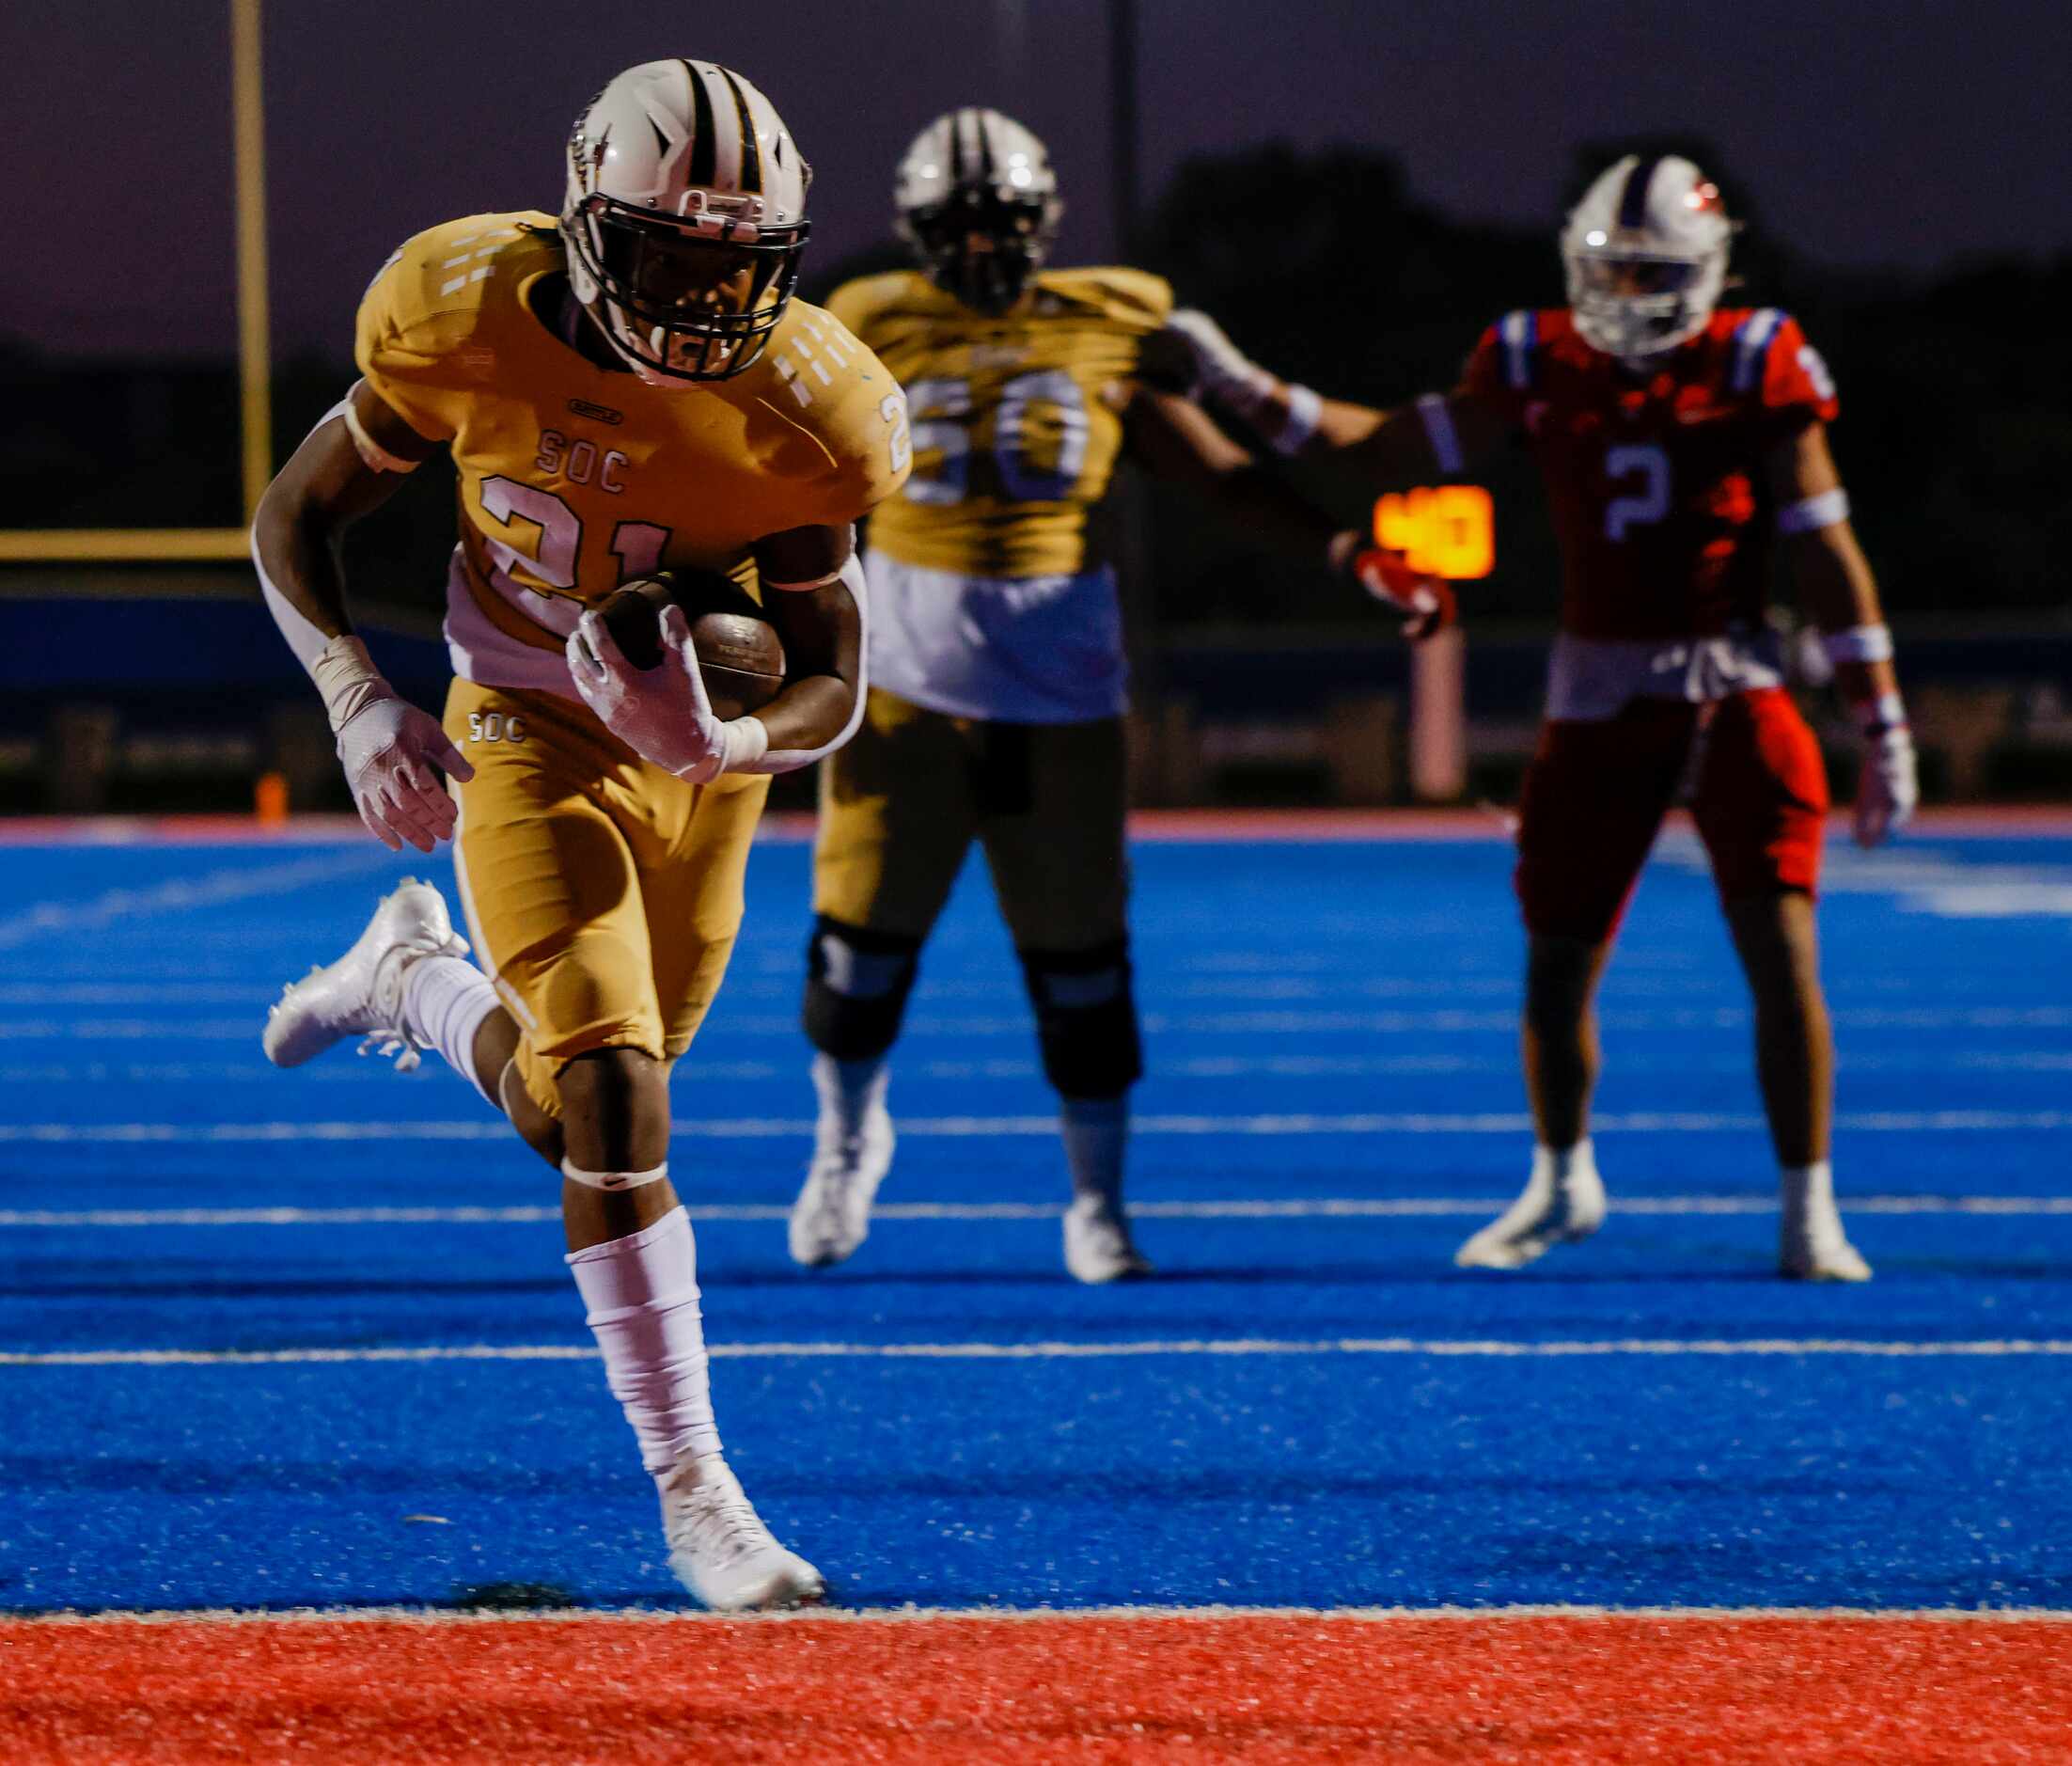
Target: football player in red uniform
(1673, 435)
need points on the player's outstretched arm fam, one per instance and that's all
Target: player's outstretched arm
(1176, 439)
(350, 464)
(1835, 582)
(1437, 433)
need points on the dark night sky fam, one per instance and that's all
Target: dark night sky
(1903, 134)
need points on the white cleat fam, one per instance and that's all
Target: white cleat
(720, 1548)
(832, 1215)
(1551, 1211)
(362, 993)
(1097, 1243)
(1819, 1254)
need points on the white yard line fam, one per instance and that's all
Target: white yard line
(1258, 1023)
(1236, 1208)
(181, 894)
(1450, 1347)
(990, 1128)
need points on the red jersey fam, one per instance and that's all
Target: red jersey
(1654, 481)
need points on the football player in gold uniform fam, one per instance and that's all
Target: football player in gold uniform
(624, 390)
(996, 664)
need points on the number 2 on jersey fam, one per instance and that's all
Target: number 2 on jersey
(1649, 503)
(943, 408)
(638, 545)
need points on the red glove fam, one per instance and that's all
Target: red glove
(1425, 602)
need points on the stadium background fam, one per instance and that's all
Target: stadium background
(1354, 191)
(300, 1345)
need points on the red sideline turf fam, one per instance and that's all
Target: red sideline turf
(1154, 1688)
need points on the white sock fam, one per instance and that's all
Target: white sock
(849, 1091)
(1806, 1193)
(640, 1295)
(1558, 1166)
(1096, 1132)
(445, 1000)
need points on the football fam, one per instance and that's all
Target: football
(739, 652)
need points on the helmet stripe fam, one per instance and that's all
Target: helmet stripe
(704, 146)
(751, 154)
(982, 122)
(1633, 199)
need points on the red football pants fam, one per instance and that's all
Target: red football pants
(1597, 793)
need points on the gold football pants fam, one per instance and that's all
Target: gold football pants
(601, 894)
(900, 805)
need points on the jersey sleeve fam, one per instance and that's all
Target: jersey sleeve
(1796, 386)
(863, 433)
(1497, 377)
(405, 353)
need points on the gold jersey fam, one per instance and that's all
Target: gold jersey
(1017, 419)
(574, 478)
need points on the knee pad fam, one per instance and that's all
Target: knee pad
(856, 984)
(1086, 1019)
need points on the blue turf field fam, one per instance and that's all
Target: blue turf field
(1328, 1023)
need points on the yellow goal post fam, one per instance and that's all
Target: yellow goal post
(113, 545)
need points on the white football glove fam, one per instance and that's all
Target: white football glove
(388, 749)
(1890, 789)
(663, 714)
(387, 746)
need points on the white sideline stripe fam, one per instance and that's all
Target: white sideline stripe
(922, 1615)
(974, 1127)
(1924, 1059)
(1301, 1208)
(1497, 1348)
(923, 1027)
(211, 888)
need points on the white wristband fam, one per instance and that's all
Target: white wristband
(747, 742)
(1873, 717)
(1812, 513)
(1859, 643)
(1305, 410)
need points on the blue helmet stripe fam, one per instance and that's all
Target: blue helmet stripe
(1633, 199)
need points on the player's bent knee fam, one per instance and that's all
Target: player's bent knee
(615, 1109)
(1086, 1019)
(856, 984)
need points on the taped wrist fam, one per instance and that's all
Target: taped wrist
(345, 674)
(1086, 1018)
(743, 741)
(856, 984)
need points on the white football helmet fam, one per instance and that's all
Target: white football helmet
(978, 203)
(684, 219)
(1646, 253)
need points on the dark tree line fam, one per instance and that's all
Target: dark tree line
(1955, 437)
